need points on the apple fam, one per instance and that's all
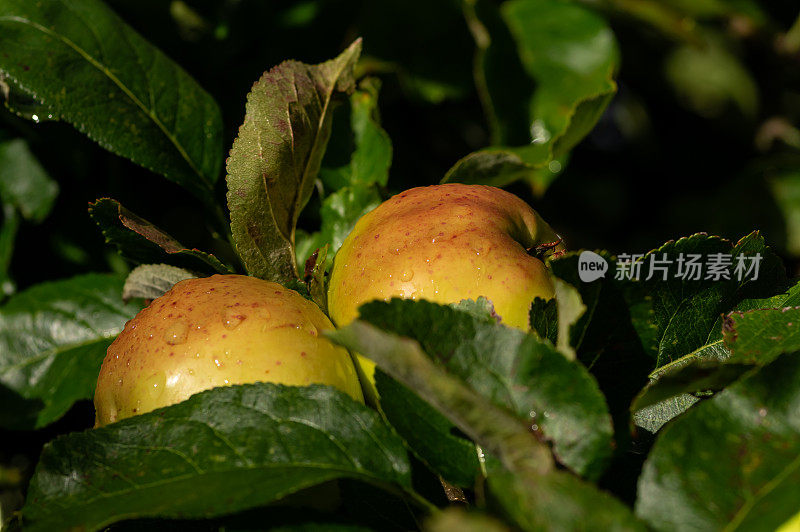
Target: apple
(444, 243)
(215, 331)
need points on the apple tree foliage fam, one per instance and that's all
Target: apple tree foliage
(632, 404)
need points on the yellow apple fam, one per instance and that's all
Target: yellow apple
(443, 244)
(219, 330)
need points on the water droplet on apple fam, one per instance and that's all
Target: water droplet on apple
(407, 275)
(232, 317)
(154, 385)
(176, 333)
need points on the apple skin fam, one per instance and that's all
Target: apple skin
(215, 331)
(444, 243)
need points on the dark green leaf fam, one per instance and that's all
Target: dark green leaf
(276, 157)
(24, 183)
(497, 167)
(150, 281)
(687, 312)
(495, 428)
(570, 309)
(428, 433)
(558, 501)
(730, 462)
(766, 334)
(544, 319)
(8, 236)
(674, 317)
(141, 242)
(91, 69)
(643, 325)
(53, 338)
(691, 379)
(514, 371)
(23, 104)
(219, 452)
(534, 494)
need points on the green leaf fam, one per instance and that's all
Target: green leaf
(497, 167)
(514, 371)
(8, 235)
(570, 310)
(340, 211)
(573, 71)
(655, 416)
(705, 377)
(495, 428)
(150, 281)
(429, 434)
(372, 156)
(746, 440)
(480, 308)
(766, 333)
(708, 77)
(685, 313)
(690, 308)
(141, 242)
(219, 452)
(534, 494)
(355, 185)
(569, 54)
(23, 104)
(758, 336)
(276, 157)
(94, 71)
(503, 84)
(544, 319)
(558, 501)
(314, 277)
(642, 325)
(27, 192)
(53, 338)
(24, 183)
